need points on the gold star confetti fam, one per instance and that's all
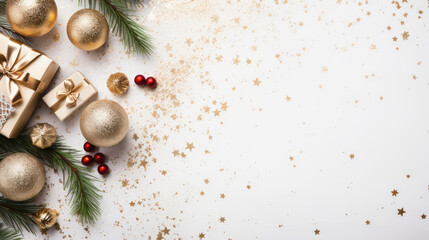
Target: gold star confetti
(352, 156)
(224, 106)
(166, 231)
(248, 187)
(405, 35)
(394, 192)
(324, 69)
(423, 216)
(401, 211)
(216, 112)
(132, 204)
(135, 137)
(256, 82)
(219, 58)
(222, 195)
(183, 155)
(316, 232)
(288, 98)
(236, 60)
(159, 236)
(201, 236)
(222, 219)
(143, 163)
(291, 158)
(373, 47)
(368, 222)
(206, 181)
(189, 41)
(163, 172)
(190, 146)
(202, 193)
(176, 153)
(395, 39)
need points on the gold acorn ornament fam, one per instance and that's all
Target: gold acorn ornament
(22, 176)
(46, 218)
(31, 18)
(104, 123)
(43, 135)
(87, 29)
(118, 83)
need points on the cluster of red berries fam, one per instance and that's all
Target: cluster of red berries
(141, 80)
(87, 160)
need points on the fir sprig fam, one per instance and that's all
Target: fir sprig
(117, 11)
(83, 193)
(7, 233)
(18, 215)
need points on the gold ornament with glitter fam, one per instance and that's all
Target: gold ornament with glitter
(46, 218)
(87, 29)
(31, 18)
(104, 123)
(22, 176)
(43, 135)
(118, 83)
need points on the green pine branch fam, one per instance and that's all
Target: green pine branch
(117, 11)
(7, 233)
(83, 193)
(5, 28)
(18, 215)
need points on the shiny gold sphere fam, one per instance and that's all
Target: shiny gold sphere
(22, 176)
(31, 18)
(87, 29)
(104, 123)
(46, 218)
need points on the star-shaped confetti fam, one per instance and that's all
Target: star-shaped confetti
(190, 146)
(401, 211)
(201, 236)
(394, 192)
(222, 219)
(166, 231)
(316, 232)
(256, 82)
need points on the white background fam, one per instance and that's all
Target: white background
(351, 90)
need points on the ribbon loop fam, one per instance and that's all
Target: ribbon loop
(11, 66)
(69, 94)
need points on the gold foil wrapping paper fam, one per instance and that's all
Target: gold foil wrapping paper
(38, 74)
(59, 99)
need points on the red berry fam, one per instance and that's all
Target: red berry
(103, 169)
(87, 160)
(139, 79)
(151, 82)
(88, 147)
(99, 157)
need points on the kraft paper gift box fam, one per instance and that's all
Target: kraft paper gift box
(69, 95)
(25, 75)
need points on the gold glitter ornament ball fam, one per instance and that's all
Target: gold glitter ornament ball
(46, 218)
(104, 123)
(31, 18)
(88, 29)
(22, 176)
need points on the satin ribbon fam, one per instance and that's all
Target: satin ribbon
(69, 94)
(11, 66)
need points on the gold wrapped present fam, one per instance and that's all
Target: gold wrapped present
(25, 75)
(69, 95)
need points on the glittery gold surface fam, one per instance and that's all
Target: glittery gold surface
(43, 135)
(117, 83)
(31, 18)
(88, 29)
(104, 123)
(22, 176)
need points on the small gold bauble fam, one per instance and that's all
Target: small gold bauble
(31, 18)
(22, 176)
(46, 218)
(118, 83)
(43, 135)
(104, 123)
(87, 29)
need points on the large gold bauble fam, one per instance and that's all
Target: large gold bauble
(104, 123)
(31, 18)
(46, 218)
(87, 29)
(22, 176)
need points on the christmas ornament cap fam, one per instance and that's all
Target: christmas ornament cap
(31, 18)
(22, 176)
(46, 218)
(104, 123)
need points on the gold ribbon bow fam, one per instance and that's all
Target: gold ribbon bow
(69, 94)
(11, 66)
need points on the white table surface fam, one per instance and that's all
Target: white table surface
(252, 85)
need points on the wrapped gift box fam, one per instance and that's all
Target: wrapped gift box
(26, 73)
(69, 95)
